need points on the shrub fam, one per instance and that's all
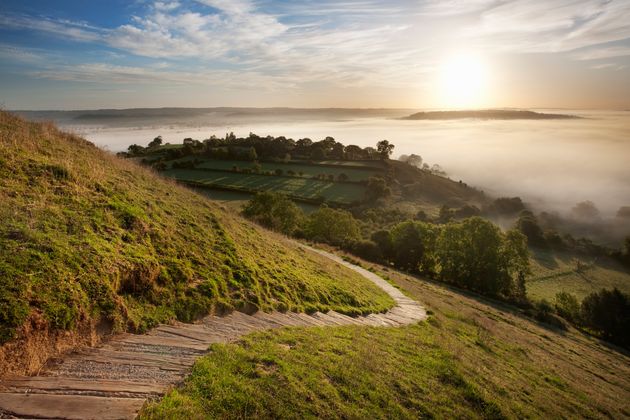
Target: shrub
(567, 306)
(275, 211)
(528, 225)
(608, 312)
(336, 227)
(412, 244)
(368, 250)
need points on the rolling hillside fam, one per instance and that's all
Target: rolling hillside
(473, 358)
(90, 243)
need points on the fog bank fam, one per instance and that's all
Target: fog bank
(551, 164)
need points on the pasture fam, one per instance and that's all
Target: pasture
(554, 272)
(307, 170)
(304, 188)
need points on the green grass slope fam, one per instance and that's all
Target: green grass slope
(471, 359)
(554, 271)
(86, 236)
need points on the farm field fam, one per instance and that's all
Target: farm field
(354, 173)
(377, 164)
(558, 272)
(305, 188)
(235, 200)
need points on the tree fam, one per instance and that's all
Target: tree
(377, 188)
(135, 150)
(384, 148)
(567, 306)
(437, 170)
(353, 152)
(506, 206)
(369, 152)
(156, 142)
(368, 250)
(274, 211)
(383, 239)
(585, 211)
(412, 244)
(516, 256)
(467, 210)
(608, 312)
(338, 151)
(318, 153)
(251, 154)
(528, 225)
(336, 227)
(412, 159)
(475, 254)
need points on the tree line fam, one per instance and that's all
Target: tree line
(254, 146)
(470, 253)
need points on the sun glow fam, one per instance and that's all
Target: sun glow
(462, 83)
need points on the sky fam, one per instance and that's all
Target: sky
(429, 54)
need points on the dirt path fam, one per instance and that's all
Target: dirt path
(114, 380)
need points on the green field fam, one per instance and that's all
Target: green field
(377, 164)
(306, 188)
(354, 173)
(558, 272)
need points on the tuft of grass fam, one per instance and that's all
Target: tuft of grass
(86, 236)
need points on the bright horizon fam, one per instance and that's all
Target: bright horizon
(352, 54)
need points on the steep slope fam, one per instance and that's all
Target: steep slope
(90, 243)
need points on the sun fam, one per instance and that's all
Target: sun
(463, 79)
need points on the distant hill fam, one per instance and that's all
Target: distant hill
(488, 114)
(91, 243)
(207, 116)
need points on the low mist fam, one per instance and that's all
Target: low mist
(552, 165)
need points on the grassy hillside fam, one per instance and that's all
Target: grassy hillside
(471, 359)
(87, 237)
(554, 272)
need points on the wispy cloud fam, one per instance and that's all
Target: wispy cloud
(602, 53)
(345, 43)
(78, 31)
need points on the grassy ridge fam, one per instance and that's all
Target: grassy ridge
(471, 359)
(85, 236)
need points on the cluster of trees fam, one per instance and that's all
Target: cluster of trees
(472, 254)
(605, 313)
(417, 162)
(253, 147)
(276, 211)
